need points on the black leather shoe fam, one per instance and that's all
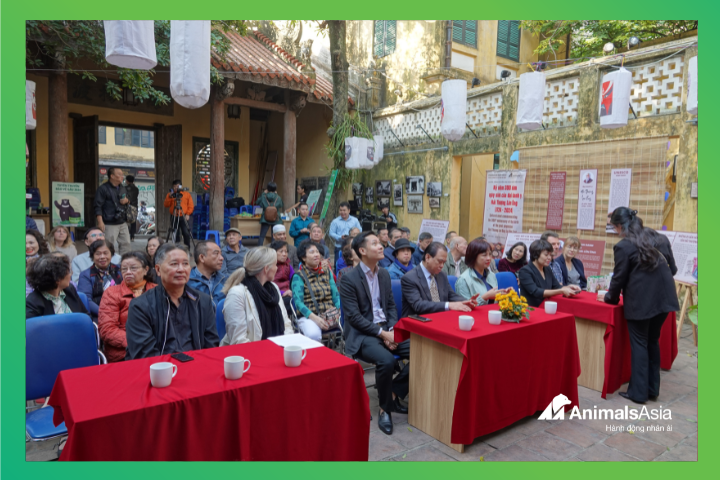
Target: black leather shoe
(625, 395)
(385, 422)
(398, 407)
(653, 398)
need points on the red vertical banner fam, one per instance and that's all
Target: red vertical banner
(591, 254)
(556, 201)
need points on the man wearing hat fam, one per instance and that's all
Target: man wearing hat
(234, 251)
(402, 263)
(280, 234)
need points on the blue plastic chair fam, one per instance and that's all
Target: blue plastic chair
(497, 263)
(397, 296)
(507, 279)
(54, 343)
(220, 319)
(452, 279)
(84, 300)
(215, 233)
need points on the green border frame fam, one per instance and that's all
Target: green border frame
(12, 66)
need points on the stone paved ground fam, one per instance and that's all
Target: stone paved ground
(533, 440)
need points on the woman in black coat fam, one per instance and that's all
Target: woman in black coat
(52, 292)
(644, 270)
(537, 281)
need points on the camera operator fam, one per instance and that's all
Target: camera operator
(179, 203)
(110, 199)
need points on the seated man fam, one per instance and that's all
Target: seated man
(354, 232)
(393, 236)
(83, 261)
(171, 317)
(426, 289)
(234, 251)
(280, 235)
(423, 242)
(402, 259)
(370, 314)
(455, 264)
(209, 276)
(406, 235)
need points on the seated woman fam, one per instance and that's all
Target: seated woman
(478, 280)
(537, 281)
(102, 275)
(136, 280)
(514, 260)
(350, 258)
(35, 246)
(402, 263)
(285, 271)
(59, 241)
(573, 270)
(151, 247)
(49, 276)
(253, 310)
(314, 291)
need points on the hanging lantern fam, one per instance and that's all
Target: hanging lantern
(190, 62)
(367, 153)
(359, 153)
(453, 109)
(692, 95)
(531, 100)
(30, 111)
(615, 99)
(130, 43)
(379, 143)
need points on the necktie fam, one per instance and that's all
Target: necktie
(433, 289)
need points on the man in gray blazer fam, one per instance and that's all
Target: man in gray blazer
(370, 315)
(425, 289)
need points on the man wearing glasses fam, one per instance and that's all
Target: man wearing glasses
(83, 261)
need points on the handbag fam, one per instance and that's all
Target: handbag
(331, 316)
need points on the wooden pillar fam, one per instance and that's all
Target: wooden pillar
(289, 153)
(217, 162)
(58, 128)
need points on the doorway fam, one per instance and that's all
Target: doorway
(472, 193)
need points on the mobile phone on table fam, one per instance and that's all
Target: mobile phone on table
(182, 357)
(419, 318)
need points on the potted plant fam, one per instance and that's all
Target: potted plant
(513, 307)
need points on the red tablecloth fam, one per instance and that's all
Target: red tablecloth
(318, 411)
(617, 340)
(509, 371)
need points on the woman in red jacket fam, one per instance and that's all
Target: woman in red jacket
(135, 269)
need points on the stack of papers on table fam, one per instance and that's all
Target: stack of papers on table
(295, 339)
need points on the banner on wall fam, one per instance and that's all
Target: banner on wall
(685, 251)
(68, 204)
(620, 182)
(591, 253)
(436, 228)
(504, 197)
(556, 201)
(586, 200)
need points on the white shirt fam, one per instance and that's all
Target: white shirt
(428, 278)
(374, 284)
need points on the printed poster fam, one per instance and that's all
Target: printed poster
(591, 254)
(620, 181)
(436, 228)
(68, 206)
(685, 251)
(313, 199)
(504, 197)
(586, 200)
(556, 201)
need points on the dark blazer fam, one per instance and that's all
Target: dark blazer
(577, 265)
(646, 293)
(37, 306)
(416, 293)
(356, 304)
(533, 286)
(418, 256)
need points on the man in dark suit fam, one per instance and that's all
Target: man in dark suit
(370, 314)
(425, 289)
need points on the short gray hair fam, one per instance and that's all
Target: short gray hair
(166, 248)
(201, 248)
(455, 241)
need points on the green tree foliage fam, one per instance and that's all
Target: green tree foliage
(79, 47)
(589, 36)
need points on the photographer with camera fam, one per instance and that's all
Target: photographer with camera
(111, 211)
(180, 205)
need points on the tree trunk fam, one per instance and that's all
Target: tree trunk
(58, 154)
(217, 162)
(338, 61)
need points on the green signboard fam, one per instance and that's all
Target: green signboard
(328, 195)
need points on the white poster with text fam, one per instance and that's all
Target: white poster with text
(436, 228)
(586, 200)
(620, 182)
(685, 251)
(504, 197)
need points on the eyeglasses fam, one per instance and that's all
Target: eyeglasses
(96, 235)
(130, 269)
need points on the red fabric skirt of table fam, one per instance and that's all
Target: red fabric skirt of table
(318, 411)
(617, 340)
(509, 371)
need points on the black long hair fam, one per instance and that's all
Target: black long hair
(644, 239)
(521, 261)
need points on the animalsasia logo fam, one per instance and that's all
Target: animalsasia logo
(556, 411)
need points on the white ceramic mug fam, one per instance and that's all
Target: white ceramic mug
(294, 355)
(494, 317)
(602, 292)
(234, 367)
(466, 322)
(551, 308)
(162, 373)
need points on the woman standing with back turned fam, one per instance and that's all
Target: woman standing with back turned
(644, 269)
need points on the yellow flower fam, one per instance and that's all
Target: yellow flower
(523, 299)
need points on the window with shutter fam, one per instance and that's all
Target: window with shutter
(465, 32)
(136, 138)
(119, 136)
(385, 37)
(102, 134)
(508, 39)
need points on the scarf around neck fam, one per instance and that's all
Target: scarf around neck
(403, 267)
(267, 303)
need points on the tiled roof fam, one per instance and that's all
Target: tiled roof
(258, 59)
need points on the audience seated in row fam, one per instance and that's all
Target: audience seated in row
(49, 276)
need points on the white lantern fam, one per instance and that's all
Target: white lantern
(190, 62)
(130, 43)
(30, 111)
(454, 107)
(359, 153)
(367, 153)
(615, 98)
(379, 142)
(531, 100)
(692, 95)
